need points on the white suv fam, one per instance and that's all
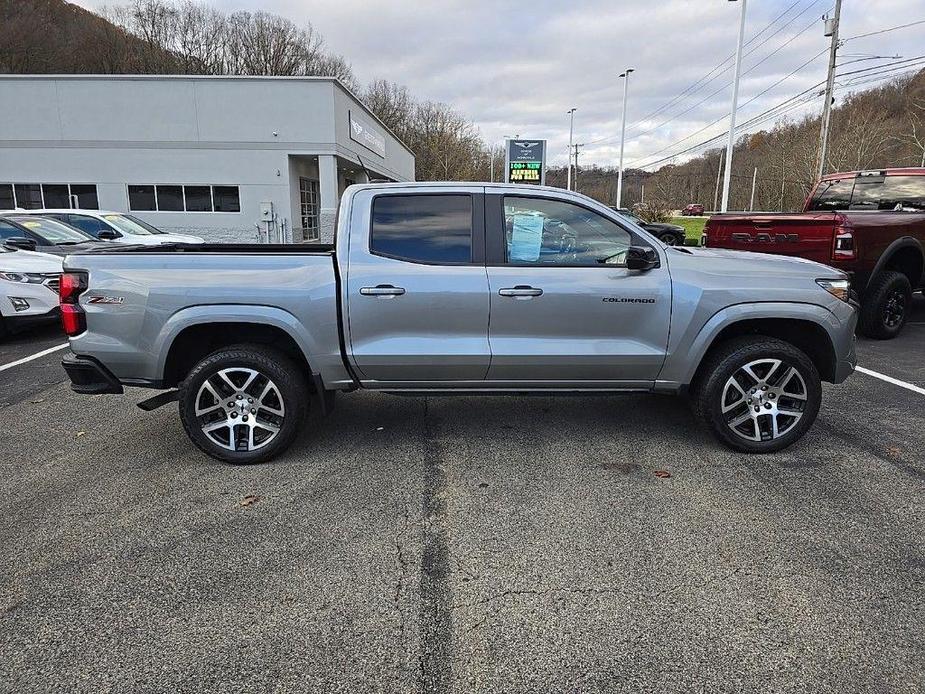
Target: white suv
(28, 288)
(114, 226)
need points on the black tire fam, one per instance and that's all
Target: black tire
(670, 239)
(727, 359)
(886, 304)
(291, 397)
(4, 332)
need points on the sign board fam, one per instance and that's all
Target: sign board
(362, 131)
(525, 161)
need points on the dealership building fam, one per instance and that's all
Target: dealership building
(227, 158)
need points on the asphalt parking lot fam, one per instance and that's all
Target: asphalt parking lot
(463, 544)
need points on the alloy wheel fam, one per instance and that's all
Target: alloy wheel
(895, 309)
(240, 409)
(764, 399)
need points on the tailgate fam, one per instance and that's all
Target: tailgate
(806, 235)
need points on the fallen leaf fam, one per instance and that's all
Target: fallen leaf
(379, 428)
(893, 451)
(662, 473)
(80, 433)
(249, 500)
(37, 401)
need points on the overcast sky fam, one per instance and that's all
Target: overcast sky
(517, 69)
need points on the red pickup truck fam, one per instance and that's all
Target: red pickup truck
(871, 224)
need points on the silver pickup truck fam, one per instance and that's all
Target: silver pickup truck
(436, 288)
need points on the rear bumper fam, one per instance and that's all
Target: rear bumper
(89, 377)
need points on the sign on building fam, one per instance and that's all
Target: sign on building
(363, 132)
(525, 162)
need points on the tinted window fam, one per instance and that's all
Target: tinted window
(28, 196)
(198, 198)
(170, 198)
(8, 231)
(423, 228)
(898, 193)
(86, 197)
(6, 196)
(551, 232)
(91, 225)
(141, 198)
(226, 199)
(56, 195)
(832, 195)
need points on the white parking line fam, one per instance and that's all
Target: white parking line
(890, 379)
(31, 357)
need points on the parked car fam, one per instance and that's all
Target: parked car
(871, 224)
(28, 288)
(115, 226)
(694, 209)
(579, 300)
(669, 234)
(31, 232)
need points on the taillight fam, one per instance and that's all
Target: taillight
(73, 319)
(843, 245)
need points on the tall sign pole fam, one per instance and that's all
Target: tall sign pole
(732, 116)
(571, 133)
(831, 29)
(626, 80)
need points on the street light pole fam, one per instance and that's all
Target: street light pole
(571, 133)
(829, 86)
(732, 116)
(626, 79)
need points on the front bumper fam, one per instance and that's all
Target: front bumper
(90, 377)
(846, 352)
(23, 321)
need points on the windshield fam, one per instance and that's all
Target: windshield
(130, 225)
(52, 230)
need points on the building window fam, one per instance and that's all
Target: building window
(198, 198)
(33, 196)
(141, 198)
(176, 198)
(170, 198)
(308, 209)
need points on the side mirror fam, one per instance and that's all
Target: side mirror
(20, 242)
(107, 235)
(641, 258)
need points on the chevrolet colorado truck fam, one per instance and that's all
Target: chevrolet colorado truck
(871, 224)
(449, 288)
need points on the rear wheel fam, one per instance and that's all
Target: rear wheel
(243, 404)
(758, 394)
(886, 304)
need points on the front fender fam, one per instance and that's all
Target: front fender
(682, 363)
(233, 313)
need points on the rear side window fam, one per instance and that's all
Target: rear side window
(832, 195)
(894, 193)
(435, 229)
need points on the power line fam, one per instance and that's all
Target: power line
(883, 31)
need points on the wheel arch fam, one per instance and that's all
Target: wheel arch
(193, 334)
(904, 255)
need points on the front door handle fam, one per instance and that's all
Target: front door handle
(521, 290)
(382, 290)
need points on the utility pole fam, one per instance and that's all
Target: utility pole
(577, 146)
(751, 205)
(642, 200)
(571, 132)
(719, 170)
(732, 116)
(831, 29)
(625, 76)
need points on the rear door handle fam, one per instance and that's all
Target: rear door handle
(382, 290)
(521, 290)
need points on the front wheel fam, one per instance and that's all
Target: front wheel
(243, 404)
(758, 394)
(670, 240)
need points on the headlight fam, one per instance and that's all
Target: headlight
(837, 288)
(24, 277)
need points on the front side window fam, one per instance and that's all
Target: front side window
(128, 225)
(90, 225)
(832, 195)
(9, 231)
(552, 232)
(434, 229)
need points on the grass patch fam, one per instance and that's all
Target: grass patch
(693, 227)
